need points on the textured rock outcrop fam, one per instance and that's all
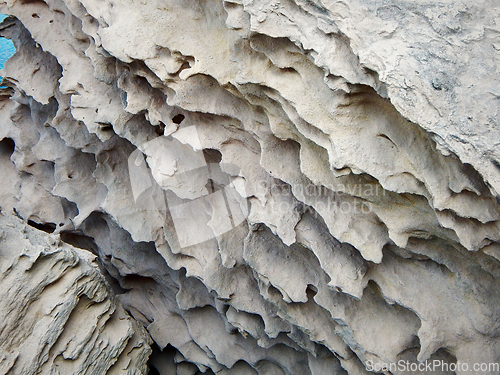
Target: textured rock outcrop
(271, 187)
(58, 315)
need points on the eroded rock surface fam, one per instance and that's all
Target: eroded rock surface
(57, 314)
(270, 187)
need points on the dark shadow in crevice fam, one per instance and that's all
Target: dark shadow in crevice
(79, 240)
(160, 128)
(212, 155)
(46, 227)
(7, 147)
(311, 291)
(177, 119)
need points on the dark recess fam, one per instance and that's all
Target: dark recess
(177, 119)
(46, 227)
(7, 146)
(212, 155)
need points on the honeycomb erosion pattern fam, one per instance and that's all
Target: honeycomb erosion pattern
(244, 187)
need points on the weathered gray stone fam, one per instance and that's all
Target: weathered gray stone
(57, 314)
(270, 187)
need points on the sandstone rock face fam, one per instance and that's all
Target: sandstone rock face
(58, 315)
(269, 187)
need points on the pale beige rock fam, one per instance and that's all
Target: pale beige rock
(272, 187)
(58, 315)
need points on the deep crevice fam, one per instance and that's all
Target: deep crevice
(79, 240)
(177, 119)
(46, 227)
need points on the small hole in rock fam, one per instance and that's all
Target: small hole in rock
(34, 15)
(311, 291)
(177, 119)
(7, 146)
(46, 227)
(159, 129)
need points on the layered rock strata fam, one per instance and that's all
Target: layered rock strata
(58, 314)
(269, 187)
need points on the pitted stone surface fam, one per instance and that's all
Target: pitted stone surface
(270, 187)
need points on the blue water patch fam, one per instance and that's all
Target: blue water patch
(7, 48)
